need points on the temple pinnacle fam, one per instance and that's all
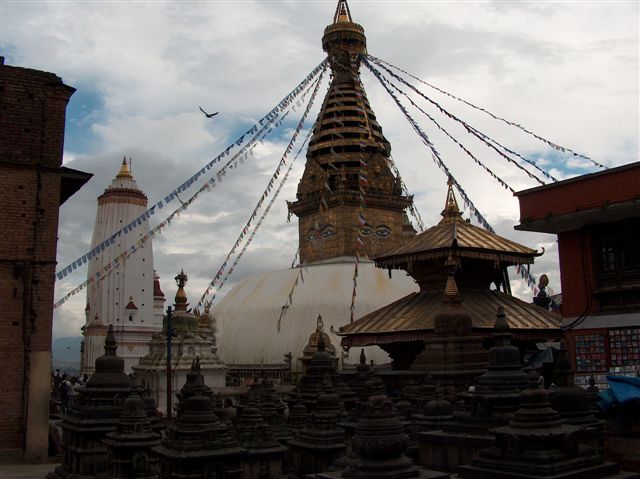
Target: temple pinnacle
(124, 170)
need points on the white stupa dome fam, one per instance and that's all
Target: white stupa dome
(247, 317)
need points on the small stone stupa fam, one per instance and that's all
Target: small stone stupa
(192, 337)
(316, 447)
(261, 396)
(322, 364)
(496, 397)
(198, 446)
(574, 404)
(453, 355)
(312, 345)
(265, 454)
(129, 447)
(379, 445)
(538, 443)
(95, 412)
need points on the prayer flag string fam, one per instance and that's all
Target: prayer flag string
(435, 155)
(211, 183)
(524, 272)
(265, 122)
(412, 209)
(555, 146)
(502, 183)
(467, 127)
(221, 271)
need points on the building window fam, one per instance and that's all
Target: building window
(617, 257)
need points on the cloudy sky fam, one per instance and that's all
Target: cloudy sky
(566, 70)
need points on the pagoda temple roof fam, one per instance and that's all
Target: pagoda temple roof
(454, 235)
(408, 318)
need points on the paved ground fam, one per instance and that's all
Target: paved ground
(25, 471)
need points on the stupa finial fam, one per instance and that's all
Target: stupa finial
(451, 294)
(451, 211)
(181, 296)
(320, 333)
(342, 14)
(501, 323)
(124, 170)
(110, 344)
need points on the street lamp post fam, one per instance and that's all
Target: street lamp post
(169, 340)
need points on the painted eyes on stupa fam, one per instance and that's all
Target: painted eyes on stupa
(381, 231)
(324, 232)
(327, 231)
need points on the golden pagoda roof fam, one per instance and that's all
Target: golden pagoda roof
(403, 319)
(454, 235)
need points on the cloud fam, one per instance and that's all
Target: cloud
(568, 71)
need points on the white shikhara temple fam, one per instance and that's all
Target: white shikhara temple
(130, 297)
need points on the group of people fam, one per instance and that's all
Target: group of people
(64, 388)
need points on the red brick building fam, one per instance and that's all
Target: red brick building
(597, 220)
(33, 185)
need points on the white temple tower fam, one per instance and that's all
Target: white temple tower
(126, 297)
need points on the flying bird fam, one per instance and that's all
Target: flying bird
(208, 115)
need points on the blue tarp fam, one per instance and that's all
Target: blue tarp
(622, 391)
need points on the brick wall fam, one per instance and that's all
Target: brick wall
(577, 194)
(32, 117)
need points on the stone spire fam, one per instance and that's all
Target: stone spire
(347, 154)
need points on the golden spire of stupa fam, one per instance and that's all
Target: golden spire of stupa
(451, 210)
(342, 14)
(124, 170)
